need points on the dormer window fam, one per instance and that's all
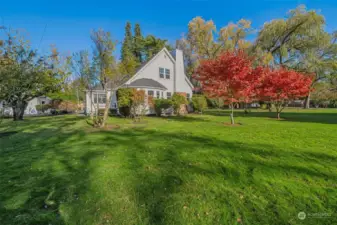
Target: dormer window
(167, 73)
(161, 72)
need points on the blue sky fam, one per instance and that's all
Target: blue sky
(67, 24)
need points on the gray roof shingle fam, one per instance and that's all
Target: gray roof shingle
(146, 82)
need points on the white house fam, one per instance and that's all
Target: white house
(160, 77)
(31, 107)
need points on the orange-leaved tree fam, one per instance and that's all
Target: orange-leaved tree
(281, 85)
(138, 104)
(230, 76)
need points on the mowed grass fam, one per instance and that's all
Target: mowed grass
(178, 170)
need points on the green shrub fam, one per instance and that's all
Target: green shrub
(199, 103)
(160, 104)
(215, 103)
(177, 101)
(124, 96)
(101, 112)
(113, 112)
(263, 106)
(267, 105)
(43, 107)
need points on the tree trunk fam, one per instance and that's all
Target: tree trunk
(107, 107)
(246, 108)
(91, 104)
(307, 102)
(232, 115)
(269, 105)
(19, 110)
(278, 115)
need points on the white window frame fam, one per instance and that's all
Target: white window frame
(149, 93)
(162, 72)
(168, 96)
(167, 74)
(98, 98)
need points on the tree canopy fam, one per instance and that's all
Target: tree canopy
(137, 49)
(24, 74)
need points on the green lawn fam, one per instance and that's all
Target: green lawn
(179, 170)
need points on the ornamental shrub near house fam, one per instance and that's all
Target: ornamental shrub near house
(124, 101)
(161, 104)
(131, 102)
(199, 103)
(177, 101)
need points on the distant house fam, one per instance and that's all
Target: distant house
(31, 107)
(160, 77)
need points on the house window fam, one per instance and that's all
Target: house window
(168, 94)
(150, 93)
(161, 72)
(162, 94)
(188, 96)
(167, 73)
(99, 98)
(158, 94)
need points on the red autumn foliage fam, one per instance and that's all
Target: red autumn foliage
(229, 76)
(281, 85)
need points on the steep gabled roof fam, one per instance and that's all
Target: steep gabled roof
(150, 60)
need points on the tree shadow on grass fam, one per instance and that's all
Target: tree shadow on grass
(300, 116)
(158, 183)
(45, 175)
(6, 134)
(39, 174)
(184, 119)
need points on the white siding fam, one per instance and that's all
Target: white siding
(31, 106)
(178, 81)
(182, 84)
(90, 106)
(151, 70)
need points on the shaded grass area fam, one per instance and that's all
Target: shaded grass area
(328, 116)
(175, 170)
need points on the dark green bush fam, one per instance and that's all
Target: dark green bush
(215, 103)
(124, 96)
(113, 112)
(199, 103)
(160, 104)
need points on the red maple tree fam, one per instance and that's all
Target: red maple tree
(279, 86)
(230, 76)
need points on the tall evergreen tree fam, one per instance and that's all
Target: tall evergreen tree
(129, 62)
(127, 43)
(152, 45)
(138, 43)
